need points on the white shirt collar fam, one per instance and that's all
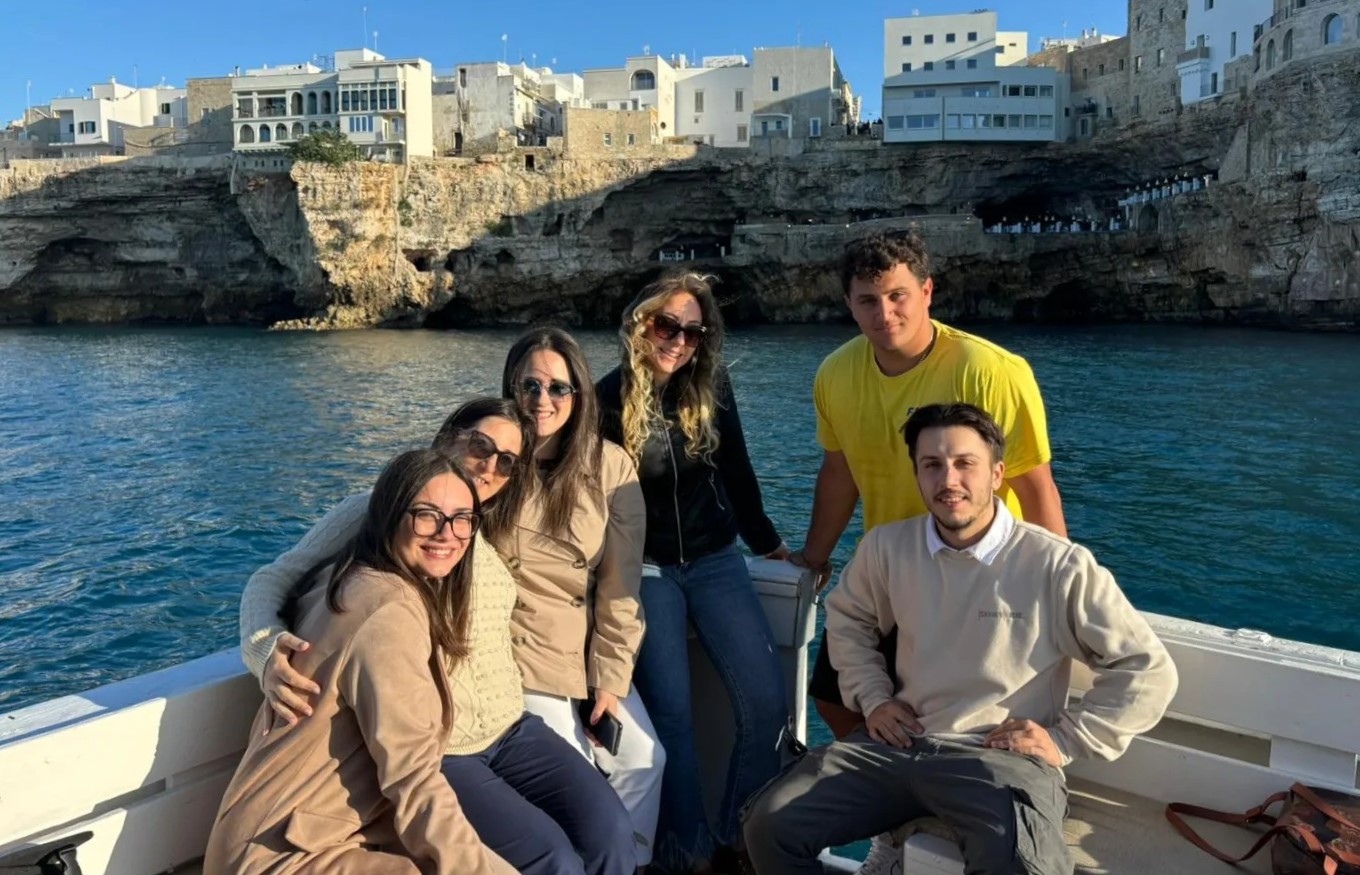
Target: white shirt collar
(986, 549)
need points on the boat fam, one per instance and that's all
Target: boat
(142, 763)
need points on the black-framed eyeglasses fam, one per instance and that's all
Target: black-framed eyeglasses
(480, 446)
(556, 389)
(427, 522)
(667, 327)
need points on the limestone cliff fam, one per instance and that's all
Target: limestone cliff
(492, 241)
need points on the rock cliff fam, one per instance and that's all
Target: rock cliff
(471, 242)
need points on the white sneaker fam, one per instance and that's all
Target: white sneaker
(883, 859)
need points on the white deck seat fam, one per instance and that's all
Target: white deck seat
(1109, 833)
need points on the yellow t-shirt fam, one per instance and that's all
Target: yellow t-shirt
(860, 412)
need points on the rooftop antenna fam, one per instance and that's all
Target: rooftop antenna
(365, 30)
(646, 49)
(375, 40)
(134, 75)
(505, 47)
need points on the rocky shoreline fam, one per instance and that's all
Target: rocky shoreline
(450, 243)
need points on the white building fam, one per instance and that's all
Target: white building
(523, 102)
(95, 124)
(1216, 33)
(382, 105)
(955, 77)
(728, 99)
(949, 42)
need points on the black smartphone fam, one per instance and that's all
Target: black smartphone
(607, 731)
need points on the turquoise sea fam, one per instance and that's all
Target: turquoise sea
(144, 473)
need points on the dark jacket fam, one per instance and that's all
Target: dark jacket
(693, 508)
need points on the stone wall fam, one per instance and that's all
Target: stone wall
(1156, 31)
(209, 107)
(446, 107)
(604, 132)
(1055, 57)
(1100, 82)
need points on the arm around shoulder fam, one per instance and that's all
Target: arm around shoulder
(268, 587)
(1135, 679)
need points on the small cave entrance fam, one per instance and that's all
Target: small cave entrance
(423, 260)
(1073, 302)
(1146, 220)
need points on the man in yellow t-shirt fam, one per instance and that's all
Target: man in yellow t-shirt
(864, 393)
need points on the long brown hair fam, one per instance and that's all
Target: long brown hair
(698, 379)
(500, 512)
(578, 462)
(447, 600)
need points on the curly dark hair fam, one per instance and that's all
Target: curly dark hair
(868, 257)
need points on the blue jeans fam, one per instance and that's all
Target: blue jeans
(537, 802)
(716, 595)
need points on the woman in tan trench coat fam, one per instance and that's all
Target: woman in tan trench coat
(577, 559)
(356, 788)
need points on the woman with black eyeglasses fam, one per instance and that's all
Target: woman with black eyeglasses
(670, 405)
(528, 794)
(577, 555)
(356, 787)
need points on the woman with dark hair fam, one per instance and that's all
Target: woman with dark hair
(356, 788)
(670, 405)
(577, 556)
(527, 792)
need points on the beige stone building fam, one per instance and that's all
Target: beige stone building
(610, 132)
(1156, 39)
(1297, 31)
(1101, 88)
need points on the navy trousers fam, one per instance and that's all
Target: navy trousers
(538, 803)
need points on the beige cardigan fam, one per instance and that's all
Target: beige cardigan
(356, 787)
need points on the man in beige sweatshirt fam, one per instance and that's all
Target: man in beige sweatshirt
(991, 613)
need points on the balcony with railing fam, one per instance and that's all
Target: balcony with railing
(1198, 53)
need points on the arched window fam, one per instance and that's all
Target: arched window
(312, 128)
(297, 130)
(1270, 55)
(326, 125)
(264, 133)
(281, 132)
(1287, 50)
(247, 134)
(326, 103)
(311, 103)
(1331, 30)
(297, 103)
(644, 80)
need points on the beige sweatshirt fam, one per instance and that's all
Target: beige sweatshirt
(486, 686)
(978, 643)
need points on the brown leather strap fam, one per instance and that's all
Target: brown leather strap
(1256, 815)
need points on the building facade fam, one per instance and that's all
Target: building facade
(1217, 32)
(957, 78)
(1100, 97)
(933, 43)
(1295, 31)
(483, 102)
(727, 100)
(95, 125)
(1156, 40)
(382, 105)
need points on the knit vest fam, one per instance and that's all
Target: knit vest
(486, 684)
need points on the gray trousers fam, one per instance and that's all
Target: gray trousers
(1007, 809)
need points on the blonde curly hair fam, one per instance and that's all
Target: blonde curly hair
(699, 396)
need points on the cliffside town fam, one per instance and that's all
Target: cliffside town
(1054, 231)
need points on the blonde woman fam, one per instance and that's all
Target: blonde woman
(670, 405)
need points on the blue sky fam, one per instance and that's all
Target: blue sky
(76, 43)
